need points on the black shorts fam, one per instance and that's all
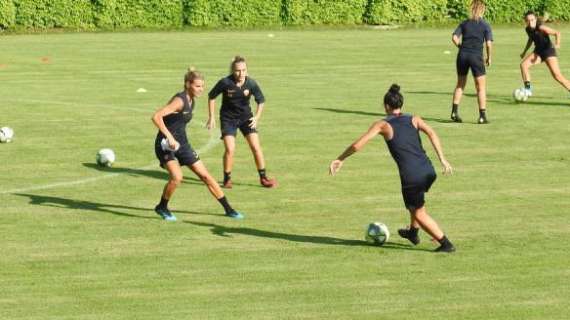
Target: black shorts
(414, 196)
(545, 53)
(473, 61)
(230, 127)
(185, 155)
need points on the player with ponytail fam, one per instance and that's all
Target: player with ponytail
(401, 133)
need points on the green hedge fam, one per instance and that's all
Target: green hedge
(243, 13)
(7, 14)
(406, 11)
(112, 14)
(44, 14)
(303, 12)
(558, 9)
(125, 14)
(497, 10)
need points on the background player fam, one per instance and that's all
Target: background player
(171, 121)
(469, 38)
(539, 34)
(235, 113)
(400, 131)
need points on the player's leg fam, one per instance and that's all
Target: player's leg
(457, 94)
(175, 178)
(481, 88)
(553, 66)
(411, 233)
(462, 68)
(255, 146)
(230, 147)
(531, 60)
(200, 170)
(429, 225)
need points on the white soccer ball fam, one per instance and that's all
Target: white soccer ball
(377, 233)
(6, 134)
(105, 157)
(166, 146)
(520, 95)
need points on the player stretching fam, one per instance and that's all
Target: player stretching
(539, 34)
(400, 131)
(235, 113)
(171, 121)
(469, 38)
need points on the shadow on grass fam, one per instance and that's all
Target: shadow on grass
(498, 98)
(223, 231)
(155, 174)
(118, 210)
(378, 114)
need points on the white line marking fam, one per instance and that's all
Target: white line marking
(212, 142)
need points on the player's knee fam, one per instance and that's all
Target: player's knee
(176, 180)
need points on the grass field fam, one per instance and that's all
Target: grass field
(80, 242)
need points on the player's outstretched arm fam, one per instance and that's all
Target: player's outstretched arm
(173, 106)
(374, 130)
(436, 143)
(551, 32)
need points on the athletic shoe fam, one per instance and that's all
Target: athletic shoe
(406, 234)
(234, 215)
(164, 213)
(455, 117)
(482, 120)
(227, 184)
(445, 248)
(268, 183)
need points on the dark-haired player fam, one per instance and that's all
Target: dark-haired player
(469, 38)
(400, 131)
(544, 50)
(176, 151)
(235, 113)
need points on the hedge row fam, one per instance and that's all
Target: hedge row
(124, 14)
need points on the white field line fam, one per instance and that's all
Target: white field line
(212, 142)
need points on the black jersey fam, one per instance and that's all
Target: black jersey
(176, 122)
(406, 149)
(474, 33)
(235, 100)
(541, 40)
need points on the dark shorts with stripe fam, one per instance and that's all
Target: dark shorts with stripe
(414, 195)
(545, 53)
(230, 126)
(470, 61)
(185, 155)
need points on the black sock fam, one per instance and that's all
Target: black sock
(224, 202)
(527, 84)
(482, 113)
(163, 203)
(414, 231)
(445, 242)
(262, 173)
(454, 108)
(227, 176)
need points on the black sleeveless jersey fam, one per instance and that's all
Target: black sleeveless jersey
(541, 40)
(176, 122)
(406, 149)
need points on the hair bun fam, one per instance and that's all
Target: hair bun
(395, 88)
(191, 69)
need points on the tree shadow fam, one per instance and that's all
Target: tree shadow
(155, 174)
(64, 203)
(223, 231)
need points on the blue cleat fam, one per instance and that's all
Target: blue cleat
(164, 213)
(234, 215)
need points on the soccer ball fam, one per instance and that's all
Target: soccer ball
(166, 146)
(105, 157)
(377, 233)
(520, 95)
(6, 134)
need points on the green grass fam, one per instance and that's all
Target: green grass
(75, 248)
